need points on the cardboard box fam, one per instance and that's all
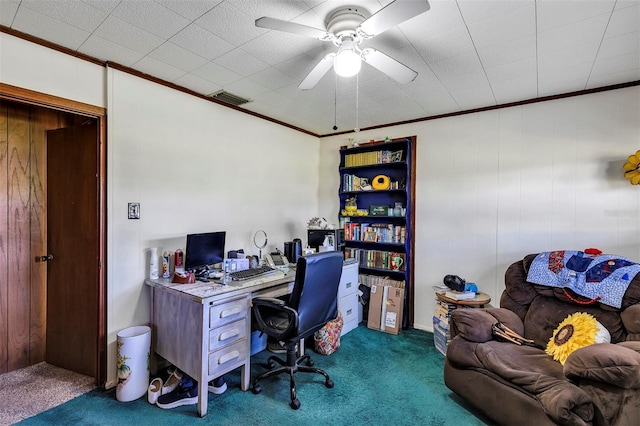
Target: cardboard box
(386, 306)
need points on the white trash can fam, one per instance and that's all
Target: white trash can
(134, 350)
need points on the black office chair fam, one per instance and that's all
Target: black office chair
(313, 303)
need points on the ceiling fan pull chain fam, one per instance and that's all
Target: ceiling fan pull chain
(335, 105)
(357, 129)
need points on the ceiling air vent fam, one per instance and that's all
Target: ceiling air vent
(228, 98)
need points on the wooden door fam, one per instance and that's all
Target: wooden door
(73, 237)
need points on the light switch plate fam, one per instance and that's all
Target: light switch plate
(134, 210)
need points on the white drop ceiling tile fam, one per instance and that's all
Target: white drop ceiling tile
(201, 42)
(572, 78)
(626, 62)
(191, 9)
(45, 27)
(512, 70)
(588, 30)
(508, 51)
(621, 4)
(106, 50)
(120, 32)
(624, 21)
(276, 46)
(228, 23)
(557, 13)
(518, 89)
(620, 45)
(75, 13)
(216, 74)
(474, 11)
(556, 61)
(447, 45)
(177, 57)
(473, 97)
(281, 9)
(246, 88)
(197, 84)
(273, 99)
(608, 79)
(241, 62)
(8, 9)
(457, 65)
(105, 5)
(151, 17)
(273, 79)
(514, 24)
(158, 69)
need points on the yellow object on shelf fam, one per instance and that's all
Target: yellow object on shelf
(381, 182)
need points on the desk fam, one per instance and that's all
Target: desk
(204, 329)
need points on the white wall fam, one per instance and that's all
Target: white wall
(194, 166)
(494, 186)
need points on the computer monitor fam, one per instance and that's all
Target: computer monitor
(203, 250)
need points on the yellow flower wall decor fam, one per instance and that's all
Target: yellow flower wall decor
(632, 168)
(574, 332)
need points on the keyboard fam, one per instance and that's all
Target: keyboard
(248, 274)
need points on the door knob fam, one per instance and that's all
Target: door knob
(46, 258)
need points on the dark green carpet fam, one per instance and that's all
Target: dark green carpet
(379, 379)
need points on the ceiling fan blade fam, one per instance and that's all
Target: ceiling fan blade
(292, 27)
(394, 69)
(317, 72)
(391, 15)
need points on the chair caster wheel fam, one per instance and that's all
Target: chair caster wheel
(329, 383)
(310, 362)
(295, 404)
(256, 389)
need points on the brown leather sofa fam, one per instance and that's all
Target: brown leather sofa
(522, 385)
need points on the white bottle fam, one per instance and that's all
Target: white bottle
(154, 269)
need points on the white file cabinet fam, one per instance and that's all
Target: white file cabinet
(348, 298)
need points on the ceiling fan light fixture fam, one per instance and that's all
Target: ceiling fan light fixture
(347, 61)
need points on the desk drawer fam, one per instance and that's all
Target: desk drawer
(349, 280)
(348, 306)
(227, 334)
(228, 311)
(228, 358)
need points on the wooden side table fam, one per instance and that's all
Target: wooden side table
(479, 301)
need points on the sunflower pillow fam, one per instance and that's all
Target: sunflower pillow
(574, 332)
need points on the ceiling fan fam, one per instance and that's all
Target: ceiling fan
(346, 28)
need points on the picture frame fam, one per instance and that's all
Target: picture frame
(371, 236)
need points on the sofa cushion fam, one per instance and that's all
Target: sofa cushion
(618, 364)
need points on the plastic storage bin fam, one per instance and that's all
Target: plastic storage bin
(134, 349)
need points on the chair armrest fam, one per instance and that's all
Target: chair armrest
(474, 325)
(615, 364)
(267, 301)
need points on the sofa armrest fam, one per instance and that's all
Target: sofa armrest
(615, 364)
(474, 325)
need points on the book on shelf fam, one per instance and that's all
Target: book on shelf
(460, 295)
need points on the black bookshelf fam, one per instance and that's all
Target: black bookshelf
(380, 236)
